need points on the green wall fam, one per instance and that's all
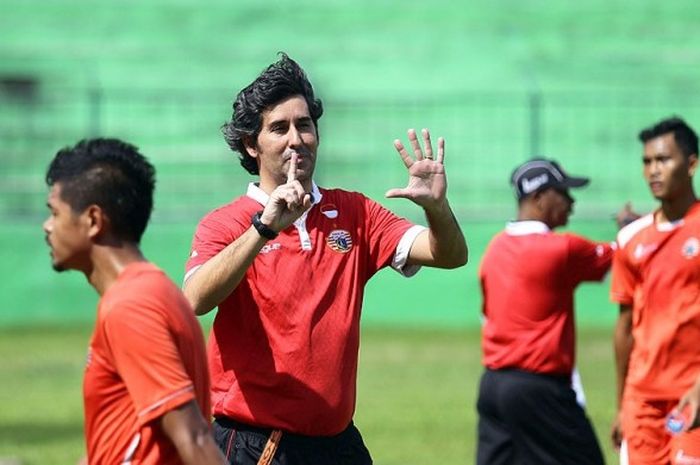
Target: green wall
(501, 81)
(34, 293)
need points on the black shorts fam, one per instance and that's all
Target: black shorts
(532, 419)
(243, 444)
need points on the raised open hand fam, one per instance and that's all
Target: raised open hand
(427, 183)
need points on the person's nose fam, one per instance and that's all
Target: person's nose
(654, 168)
(295, 138)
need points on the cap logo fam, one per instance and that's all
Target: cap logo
(531, 185)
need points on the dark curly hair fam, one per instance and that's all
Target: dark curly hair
(111, 174)
(279, 81)
(685, 137)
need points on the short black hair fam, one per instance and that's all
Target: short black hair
(685, 137)
(281, 80)
(111, 174)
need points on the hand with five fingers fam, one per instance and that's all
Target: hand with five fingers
(427, 183)
(287, 202)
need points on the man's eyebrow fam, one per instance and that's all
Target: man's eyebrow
(277, 121)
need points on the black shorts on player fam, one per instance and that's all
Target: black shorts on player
(532, 419)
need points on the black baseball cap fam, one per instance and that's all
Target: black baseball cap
(540, 173)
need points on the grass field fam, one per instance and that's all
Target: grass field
(417, 390)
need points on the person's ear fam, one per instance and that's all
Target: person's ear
(95, 220)
(539, 199)
(251, 146)
(692, 164)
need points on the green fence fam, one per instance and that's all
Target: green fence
(487, 134)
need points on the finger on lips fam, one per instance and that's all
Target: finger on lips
(292, 173)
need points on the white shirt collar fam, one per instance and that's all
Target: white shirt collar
(257, 194)
(522, 228)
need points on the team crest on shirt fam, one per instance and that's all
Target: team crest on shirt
(691, 248)
(339, 240)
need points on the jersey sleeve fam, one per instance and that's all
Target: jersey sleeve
(390, 238)
(623, 280)
(213, 234)
(147, 359)
(589, 260)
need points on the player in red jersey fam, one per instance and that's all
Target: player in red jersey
(287, 265)
(528, 410)
(146, 386)
(656, 276)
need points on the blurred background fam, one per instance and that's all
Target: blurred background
(501, 81)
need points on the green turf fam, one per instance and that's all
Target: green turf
(416, 394)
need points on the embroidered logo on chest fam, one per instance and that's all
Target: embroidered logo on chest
(691, 248)
(339, 240)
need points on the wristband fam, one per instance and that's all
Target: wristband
(262, 229)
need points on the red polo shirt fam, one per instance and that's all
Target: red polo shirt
(284, 345)
(528, 276)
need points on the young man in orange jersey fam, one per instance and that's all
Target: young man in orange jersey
(528, 408)
(146, 385)
(656, 281)
(287, 264)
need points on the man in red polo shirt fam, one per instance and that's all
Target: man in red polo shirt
(656, 276)
(287, 265)
(146, 386)
(528, 412)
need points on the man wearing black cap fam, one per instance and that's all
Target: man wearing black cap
(528, 411)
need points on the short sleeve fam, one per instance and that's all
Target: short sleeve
(384, 235)
(588, 260)
(213, 234)
(147, 359)
(623, 280)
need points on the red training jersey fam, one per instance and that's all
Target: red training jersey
(528, 276)
(657, 271)
(284, 345)
(146, 357)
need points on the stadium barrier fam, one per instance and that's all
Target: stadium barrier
(487, 134)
